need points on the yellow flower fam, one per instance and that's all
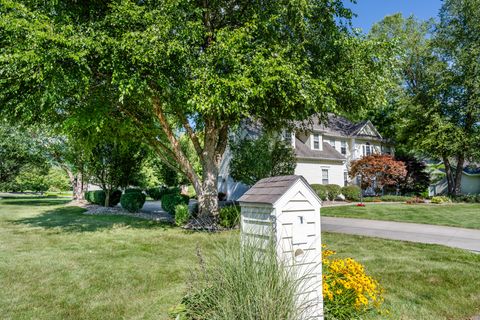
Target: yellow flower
(347, 280)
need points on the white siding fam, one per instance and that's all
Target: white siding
(470, 184)
(312, 171)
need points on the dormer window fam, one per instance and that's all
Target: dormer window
(316, 141)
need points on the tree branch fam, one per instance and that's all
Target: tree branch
(222, 141)
(193, 136)
(180, 155)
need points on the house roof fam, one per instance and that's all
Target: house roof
(328, 152)
(336, 125)
(269, 190)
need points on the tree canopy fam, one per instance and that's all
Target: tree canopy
(378, 171)
(193, 67)
(434, 110)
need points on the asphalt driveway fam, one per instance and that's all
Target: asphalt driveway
(468, 239)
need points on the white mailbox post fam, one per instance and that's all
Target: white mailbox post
(287, 210)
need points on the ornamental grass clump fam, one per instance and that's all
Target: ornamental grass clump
(240, 283)
(348, 292)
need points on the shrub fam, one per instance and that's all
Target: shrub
(392, 198)
(154, 193)
(414, 200)
(348, 292)
(222, 287)
(440, 199)
(229, 216)
(132, 190)
(182, 215)
(333, 191)
(159, 192)
(115, 198)
(351, 193)
(132, 201)
(170, 201)
(98, 197)
(88, 196)
(321, 191)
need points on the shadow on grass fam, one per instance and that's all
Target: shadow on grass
(72, 219)
(35, 202)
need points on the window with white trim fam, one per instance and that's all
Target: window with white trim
(324, 176)
(316, 141)
(345, 178)
(368, 149)
(343, 147)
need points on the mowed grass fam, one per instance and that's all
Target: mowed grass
(421, 281)
(56, 263)
(464, 215)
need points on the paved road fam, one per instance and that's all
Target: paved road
(468, 239)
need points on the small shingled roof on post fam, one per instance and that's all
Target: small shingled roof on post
(269, 190)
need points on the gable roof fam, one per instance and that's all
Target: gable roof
(269, 190)
(328, 152)
(337, 125)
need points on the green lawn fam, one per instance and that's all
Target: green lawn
(56, 263)
(463, 215)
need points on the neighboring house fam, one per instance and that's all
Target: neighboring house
(324, 150)
(470, 180)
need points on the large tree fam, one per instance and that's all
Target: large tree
(193, 67)
(435, 108)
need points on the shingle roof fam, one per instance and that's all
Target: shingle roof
(328, 152)
(334, 124)
(269, 190)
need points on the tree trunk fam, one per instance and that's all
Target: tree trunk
(107, 198)
(208, 196)
(448, 173)
(79, 187)
(77, 183)
(457, 186)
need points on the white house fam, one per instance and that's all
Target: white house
(324, 149)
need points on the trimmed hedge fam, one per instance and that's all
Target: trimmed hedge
(98, 197)
(333, 191)
(327, 191)
(132, 201)
(351, 193)
(115, 197)
(170, 201)
(159, 192)
(393, 198)
(133, 190)
(154, 193)
(229, 216)
(321, 190)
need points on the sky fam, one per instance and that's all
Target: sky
(371, 11)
